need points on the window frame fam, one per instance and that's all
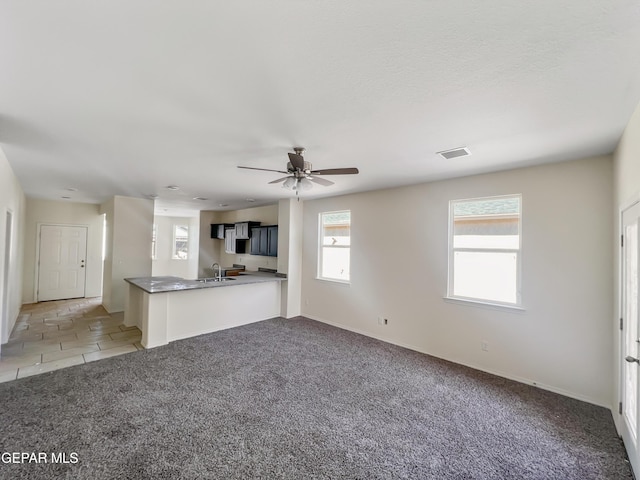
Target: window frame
(174, 250)
(451, 254)
(154, 242)
(321, 246)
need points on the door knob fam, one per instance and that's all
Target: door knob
(631, 359)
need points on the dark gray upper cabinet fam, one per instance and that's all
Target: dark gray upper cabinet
(243, 230)
(256, 235)
(264, 241)
(272, 241)
(217, 229)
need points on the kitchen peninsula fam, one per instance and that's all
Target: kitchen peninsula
(172, 308)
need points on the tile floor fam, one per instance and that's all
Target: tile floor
(58, 334)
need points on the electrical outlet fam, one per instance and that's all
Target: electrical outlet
(386, 321)
(484, 346)
(383, 321)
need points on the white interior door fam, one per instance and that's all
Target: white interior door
(62, 267)
(630, 344)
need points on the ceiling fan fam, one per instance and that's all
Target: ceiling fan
(300, 174)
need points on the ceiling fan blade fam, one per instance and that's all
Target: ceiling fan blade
(335, 171)
(263, 169)
(296, 161)
(279, 180)
(321, 181)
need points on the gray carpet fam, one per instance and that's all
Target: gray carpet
(299, 399)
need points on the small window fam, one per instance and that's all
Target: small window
(484, 249)
(335, 246)
(180, 242)
(153, 242)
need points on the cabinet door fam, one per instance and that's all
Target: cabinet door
(256, 234)
(272, 248)
(264, 241)
(217, 230)
(242, 231)
(230, 240)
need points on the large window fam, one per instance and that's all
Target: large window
(180, 242)
(484, 249)
(335, 246)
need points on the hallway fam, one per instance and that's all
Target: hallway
(53, 335)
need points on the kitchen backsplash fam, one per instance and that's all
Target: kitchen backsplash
(252, 262)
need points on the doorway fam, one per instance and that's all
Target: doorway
(62, 262)
(630, 340)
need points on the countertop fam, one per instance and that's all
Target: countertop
(175, 284)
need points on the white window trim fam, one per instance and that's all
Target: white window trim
(479, 301)
(320, 247)
(474, 302)
(334, 280)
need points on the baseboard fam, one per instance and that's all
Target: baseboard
(112, 309)
(526, 381)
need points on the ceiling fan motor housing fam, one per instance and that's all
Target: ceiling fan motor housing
(305, 171)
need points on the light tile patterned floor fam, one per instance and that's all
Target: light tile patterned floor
(52, 335)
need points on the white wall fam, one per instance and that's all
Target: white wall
(128, 246)
(12, 199)
(63, 213)
(627, 163)
(164, 264)
(108, 210)
(212, 250)
(290, 215)
(626, 181)
(562, 341)
(208, 248)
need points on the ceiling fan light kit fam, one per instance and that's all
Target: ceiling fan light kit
(298, 184)
(301, 175)
(290, 183)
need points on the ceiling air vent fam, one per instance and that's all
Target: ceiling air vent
(455, 153)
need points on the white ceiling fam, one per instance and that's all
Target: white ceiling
(125, 97)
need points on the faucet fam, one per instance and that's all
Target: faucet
(213, 267)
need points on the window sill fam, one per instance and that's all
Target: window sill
(484, 304)
(331, 280)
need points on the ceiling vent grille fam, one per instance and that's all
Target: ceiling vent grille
(455, 153)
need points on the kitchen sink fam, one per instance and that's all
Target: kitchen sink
(214, 279)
